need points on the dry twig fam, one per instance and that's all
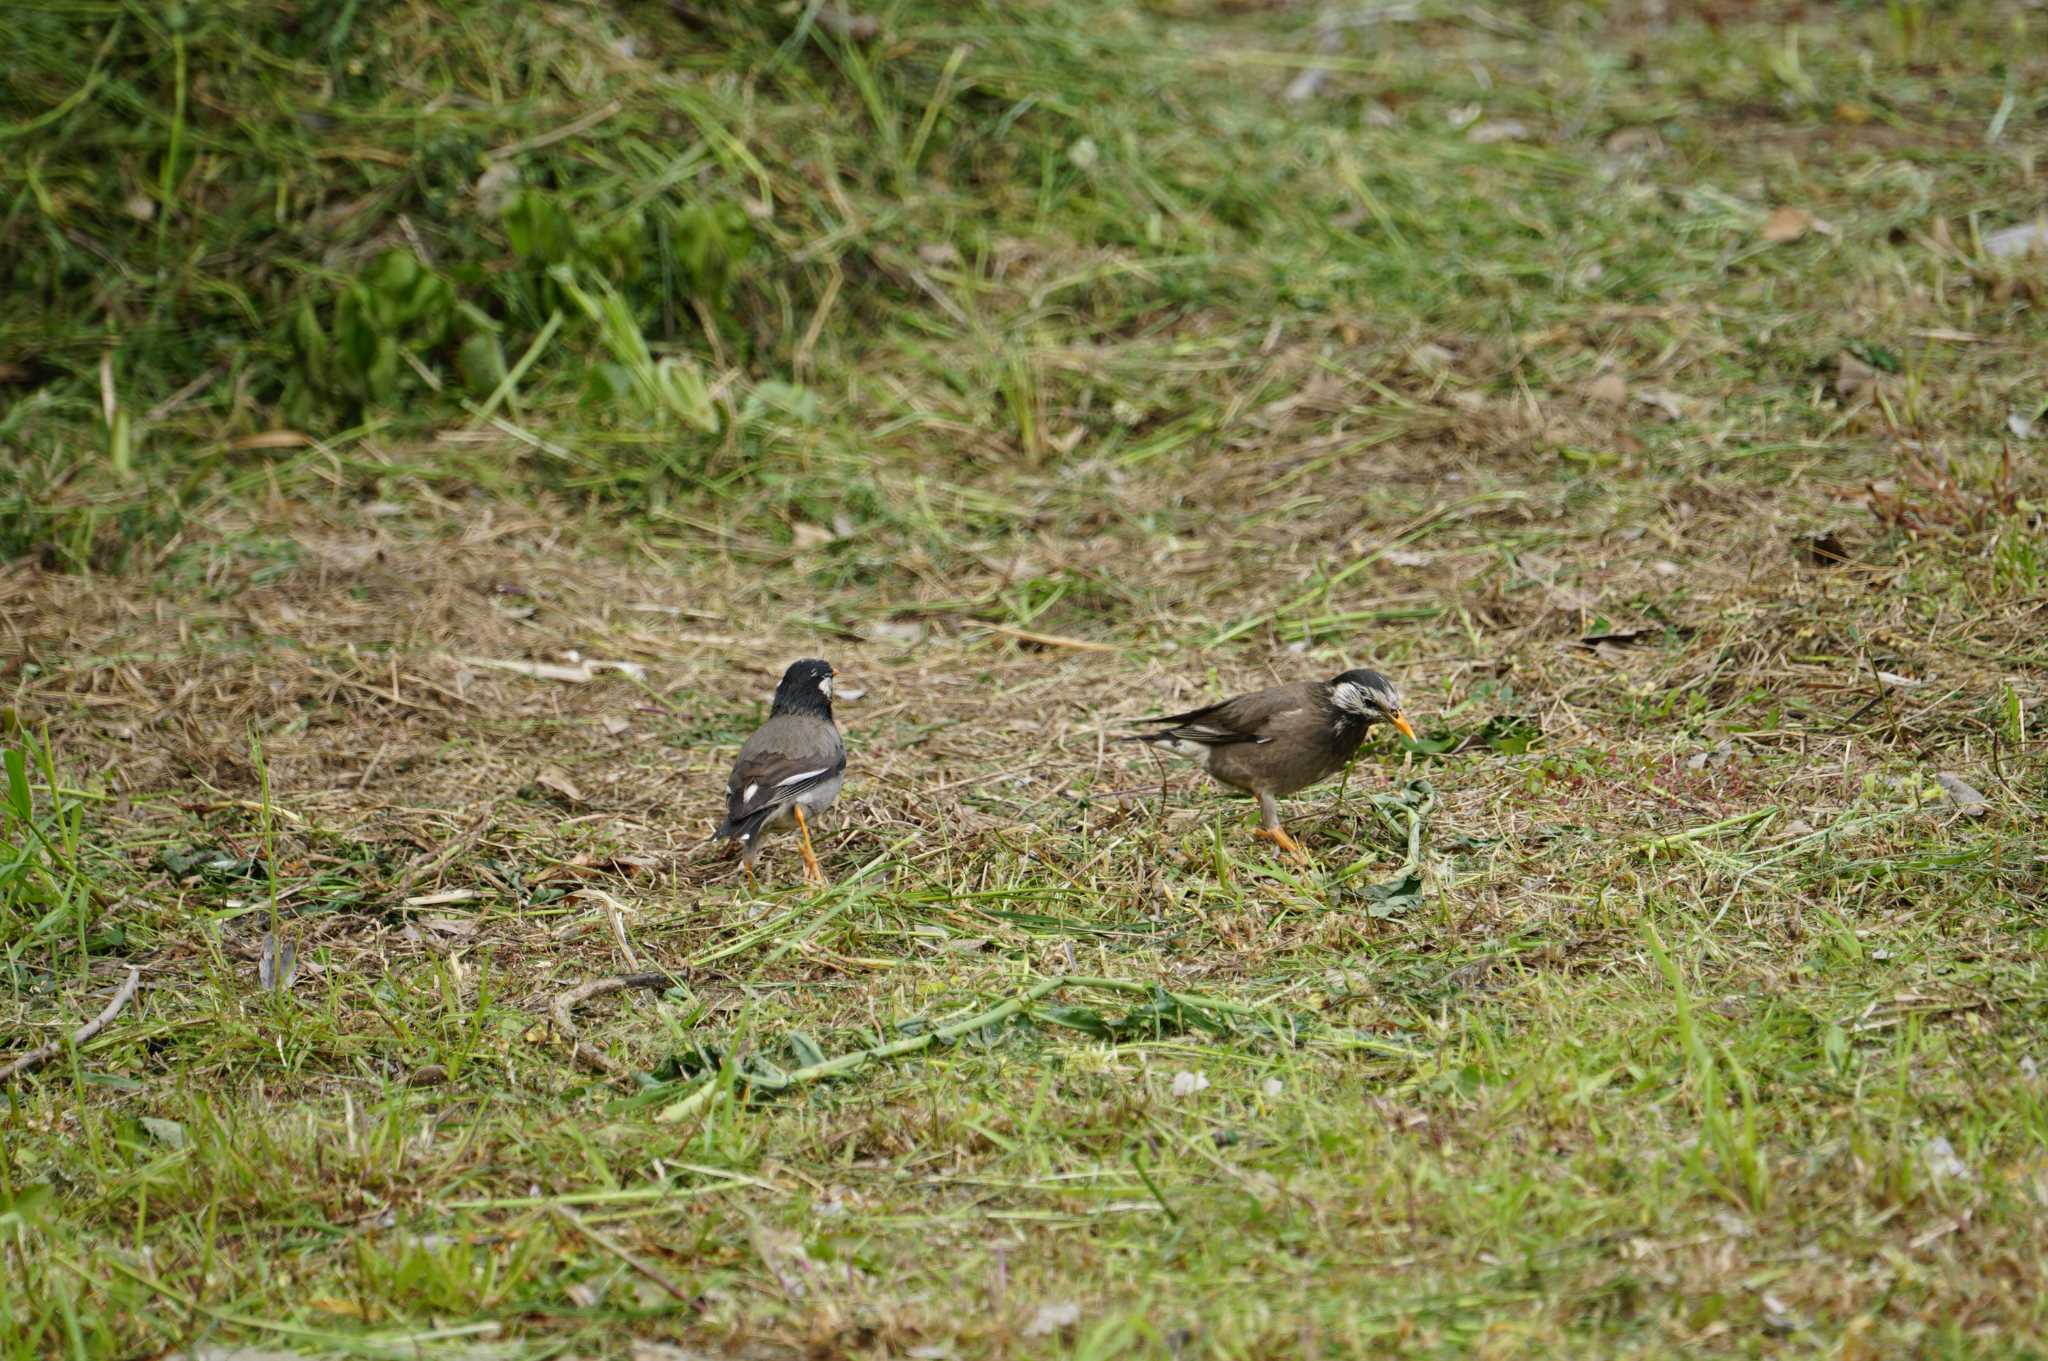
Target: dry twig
(603, 1240)
(1046, 639)
(563, 1014)
(36, 1058)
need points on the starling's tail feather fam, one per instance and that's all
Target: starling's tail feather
(1162, 726)
(747, 826)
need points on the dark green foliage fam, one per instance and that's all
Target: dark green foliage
(230, 183)
(711, 242)
(353, 349)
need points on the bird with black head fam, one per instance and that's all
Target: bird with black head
(790, 770)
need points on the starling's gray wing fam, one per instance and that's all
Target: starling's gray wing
(790, 756)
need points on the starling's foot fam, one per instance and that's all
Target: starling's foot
(811, 871)
(1278, 836)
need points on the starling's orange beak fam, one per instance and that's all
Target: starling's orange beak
(1403, 726)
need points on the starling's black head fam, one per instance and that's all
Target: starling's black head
(806, 689)
(1372, 697)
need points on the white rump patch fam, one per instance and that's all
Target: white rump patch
(801, 776)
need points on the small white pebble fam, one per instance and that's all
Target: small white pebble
(1052, 1318)
(1942, 1162)
(1272, 1087)
(1187, 1084)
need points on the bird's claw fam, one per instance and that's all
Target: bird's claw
(1287, 844)
(813, 873)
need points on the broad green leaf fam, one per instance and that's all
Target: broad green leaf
(169, 1133)
(1394, 897)
(481, 362)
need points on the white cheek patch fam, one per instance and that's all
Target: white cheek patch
(800, 777)
(1354, 699)
(826, 686)
(748, 795)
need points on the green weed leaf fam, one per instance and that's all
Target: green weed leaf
(169, 1133)
(540, 232)
(1394, 897)
(18, 801)
(481, 362)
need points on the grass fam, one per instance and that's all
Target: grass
(1043, 366)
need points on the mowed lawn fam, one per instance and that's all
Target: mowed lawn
(1655, 391)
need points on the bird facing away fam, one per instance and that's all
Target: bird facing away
(1277, 741)
(792, 766)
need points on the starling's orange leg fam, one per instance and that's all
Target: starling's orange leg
(1278, 836)
(803, 827)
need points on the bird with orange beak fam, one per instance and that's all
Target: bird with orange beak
(1279, 741)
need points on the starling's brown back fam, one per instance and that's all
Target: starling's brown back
(1300, 739)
